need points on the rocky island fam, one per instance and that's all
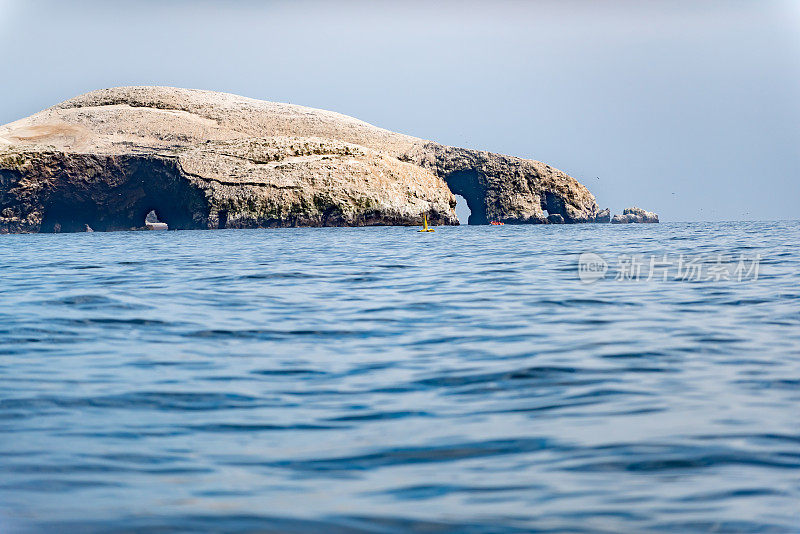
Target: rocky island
(635, 215)
(201, 160)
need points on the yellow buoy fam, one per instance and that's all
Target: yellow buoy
(425, 224)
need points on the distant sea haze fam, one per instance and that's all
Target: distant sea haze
(472, 379)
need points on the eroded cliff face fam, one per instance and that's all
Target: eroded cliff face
(212, 160)
(52, 191)
(506, 188)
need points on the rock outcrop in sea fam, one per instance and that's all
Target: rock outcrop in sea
(635, 215)
(202, 160)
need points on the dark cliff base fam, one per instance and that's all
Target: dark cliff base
(60, 192)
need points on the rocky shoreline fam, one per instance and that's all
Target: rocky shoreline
(204, 160)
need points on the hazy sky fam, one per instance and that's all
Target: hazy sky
(690, 109)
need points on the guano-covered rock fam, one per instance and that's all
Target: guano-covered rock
(203, 160)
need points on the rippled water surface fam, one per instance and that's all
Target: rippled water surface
(383, 380)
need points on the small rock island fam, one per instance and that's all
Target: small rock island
(201, 160)
(635, 215)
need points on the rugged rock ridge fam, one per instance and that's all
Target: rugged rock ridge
(202, 159)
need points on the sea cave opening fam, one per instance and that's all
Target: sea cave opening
(468, 185)
(127, 193)
(69, 214)
(554, 208)
(553, 204)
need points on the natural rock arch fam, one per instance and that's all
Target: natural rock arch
(468, 184)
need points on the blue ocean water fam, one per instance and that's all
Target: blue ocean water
(384, 380)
